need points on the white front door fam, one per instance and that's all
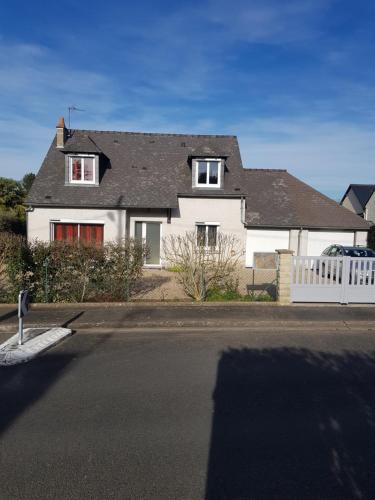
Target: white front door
(150, 233)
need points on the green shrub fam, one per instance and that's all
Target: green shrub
(15, 266)
(231, 295)
(260, 297)
(12, 221)
(122, 268)
(69, 272)
(218, 295)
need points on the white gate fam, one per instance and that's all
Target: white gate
(333, 279)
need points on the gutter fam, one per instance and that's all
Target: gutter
(243, 206)
(299, 241)
(309, 228)
(208, 195)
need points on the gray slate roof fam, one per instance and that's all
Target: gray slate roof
(143, 170)
(363, 192)
(151, 170)
(278, 199)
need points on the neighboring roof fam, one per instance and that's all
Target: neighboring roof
(363, 193)
(143, 170)
(277, 199)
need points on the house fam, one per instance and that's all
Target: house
(360, 199)
(103, 186)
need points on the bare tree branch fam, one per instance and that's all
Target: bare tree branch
(201, 268)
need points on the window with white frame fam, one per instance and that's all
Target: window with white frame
(82, 169)
(207, 234)
(208, 173)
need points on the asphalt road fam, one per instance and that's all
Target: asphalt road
(213, 414)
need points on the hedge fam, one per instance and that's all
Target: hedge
(69, 272)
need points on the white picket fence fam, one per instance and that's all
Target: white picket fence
(333, 279)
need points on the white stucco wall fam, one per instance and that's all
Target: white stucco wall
(265, 240)
(308, 242)
(320, 240)
(225, 212)
(361, 238)
(39, 221)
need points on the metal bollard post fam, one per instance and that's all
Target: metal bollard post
(23, 307)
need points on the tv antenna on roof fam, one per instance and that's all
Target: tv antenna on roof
(70, 109)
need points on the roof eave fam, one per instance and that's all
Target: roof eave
(309, 227)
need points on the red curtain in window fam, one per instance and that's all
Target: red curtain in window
(76, 170)
(88, 169)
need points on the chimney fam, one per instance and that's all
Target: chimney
(60, 133)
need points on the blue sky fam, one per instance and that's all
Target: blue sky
(294, 80)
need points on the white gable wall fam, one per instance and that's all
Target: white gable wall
(351, 202)
(370, 209)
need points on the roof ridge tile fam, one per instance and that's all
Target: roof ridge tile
(162, 134)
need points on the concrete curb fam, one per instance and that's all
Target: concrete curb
(177, 304)
(138, 304)
(34, 344)
(212, 324)
(172, 304)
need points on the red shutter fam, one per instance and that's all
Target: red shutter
(65, 232)
(71, 232)
(83, 232)
(58, 234)
(91, 233)
(99, 234)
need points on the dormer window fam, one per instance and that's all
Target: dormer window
(208, 173)
(82, 169)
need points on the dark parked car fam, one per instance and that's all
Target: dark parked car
(338, 250)
(360, 272)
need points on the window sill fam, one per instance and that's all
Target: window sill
(81, 184)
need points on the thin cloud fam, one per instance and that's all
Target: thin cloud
(269, 21)
(327, 155)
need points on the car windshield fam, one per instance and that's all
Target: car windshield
(359, 252)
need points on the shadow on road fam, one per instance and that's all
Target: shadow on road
(292, 423)
(67, 323)
(23, 385)
(8, 315)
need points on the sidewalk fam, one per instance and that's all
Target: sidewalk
(176, 315)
